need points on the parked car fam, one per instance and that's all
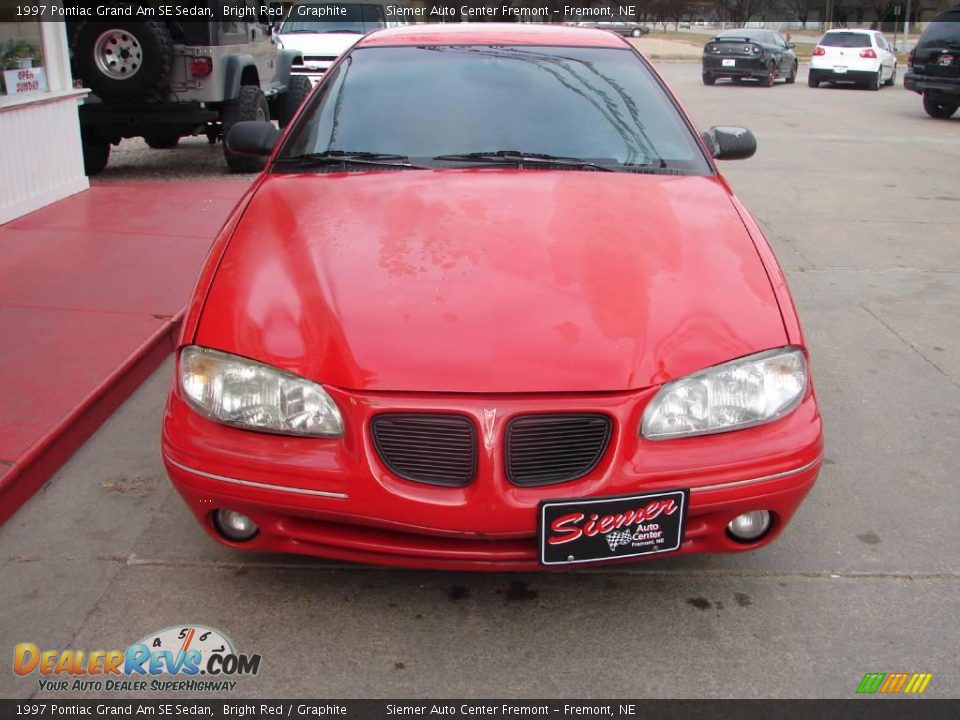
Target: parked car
(163, 80)
(321, 41)
(625, 26)
(749, 54)
(860, 57)
(934, 70)
(426, 336)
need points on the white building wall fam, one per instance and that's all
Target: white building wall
(41, 156)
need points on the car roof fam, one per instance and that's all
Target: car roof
(850, 31)
(493, 34)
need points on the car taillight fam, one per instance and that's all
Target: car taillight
(819, 51)
(201, 66)
(868, 53)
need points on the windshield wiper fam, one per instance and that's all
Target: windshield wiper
(346, 157)
(515, 157)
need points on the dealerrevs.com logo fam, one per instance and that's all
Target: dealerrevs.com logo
(188, 658)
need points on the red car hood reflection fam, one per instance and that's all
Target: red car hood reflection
(494, 281)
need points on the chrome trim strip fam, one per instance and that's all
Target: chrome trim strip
(777, 476)
(261, 486)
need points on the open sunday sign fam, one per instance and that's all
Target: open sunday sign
(25, 80)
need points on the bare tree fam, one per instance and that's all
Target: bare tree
(739, 11)
(800, 9)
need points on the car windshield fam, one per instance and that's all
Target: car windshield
(845, 40)
(597, 104)
(350, 18)
(943, 31)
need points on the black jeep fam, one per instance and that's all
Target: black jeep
(934, 65)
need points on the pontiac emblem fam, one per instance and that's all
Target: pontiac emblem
(489, 420)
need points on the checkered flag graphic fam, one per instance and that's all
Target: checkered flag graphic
(617, 538)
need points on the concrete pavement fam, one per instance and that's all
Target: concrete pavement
(857, 192)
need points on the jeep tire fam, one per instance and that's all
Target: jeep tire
(250, 104)
(937, 109)
(124, 59)
(96, 154)
(292, 99)
(161, 140)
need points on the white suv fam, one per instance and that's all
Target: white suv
(321, 41)
(863, 57)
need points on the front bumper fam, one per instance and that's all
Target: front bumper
(940, 87)
(754, 66)
(336, 499)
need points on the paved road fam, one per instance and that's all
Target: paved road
(858, 192)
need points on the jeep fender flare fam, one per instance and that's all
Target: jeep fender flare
(235, 65)
(285, 59)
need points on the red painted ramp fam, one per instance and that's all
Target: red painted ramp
(92, 290)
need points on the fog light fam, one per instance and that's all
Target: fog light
(749, 526)
(234, 525)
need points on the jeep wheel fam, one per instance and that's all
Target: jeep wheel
(708, 79)
(123, 59)
(161, 141)
(292, 99)
(938, 109)
(250, 104)
(96, 154)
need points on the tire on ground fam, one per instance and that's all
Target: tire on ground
(96, 154)
(708, 79)
(250, 104)
(161, 141)
(292, 99)
(936, 109)
(123, 59)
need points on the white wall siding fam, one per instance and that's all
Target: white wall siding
(41, 157)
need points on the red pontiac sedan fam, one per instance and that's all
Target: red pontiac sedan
(491, 306)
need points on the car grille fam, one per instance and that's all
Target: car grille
(427, 448)
(546, 449)
(319, 58)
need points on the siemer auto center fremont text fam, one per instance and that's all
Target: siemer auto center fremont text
(399, 12)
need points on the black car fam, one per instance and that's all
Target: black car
(749, 53)
(934, 65)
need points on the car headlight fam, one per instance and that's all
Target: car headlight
(237, 391)
(738, 394)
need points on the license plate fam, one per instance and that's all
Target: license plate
(592, 530)
(946, 60)
(729, 63)
(841, 69)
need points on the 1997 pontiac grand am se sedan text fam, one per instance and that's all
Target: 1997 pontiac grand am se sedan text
(491, 306)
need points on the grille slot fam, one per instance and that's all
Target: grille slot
(427, 448)
(547, 449)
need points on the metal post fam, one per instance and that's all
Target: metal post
(906, 29)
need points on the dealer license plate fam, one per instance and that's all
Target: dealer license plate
(597, 529)
(946, 60)
(840, 69)
(729, 63)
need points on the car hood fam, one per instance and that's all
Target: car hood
(319, 43)
(494, 281)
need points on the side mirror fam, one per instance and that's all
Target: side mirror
(252, 137)
(791, 45)
(727, 142)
